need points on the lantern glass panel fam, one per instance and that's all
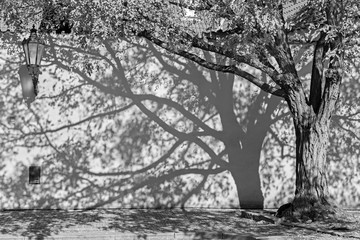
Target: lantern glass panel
(32, 52)
(26, 51)
(40, 51)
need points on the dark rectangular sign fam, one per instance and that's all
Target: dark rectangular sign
(34, 175)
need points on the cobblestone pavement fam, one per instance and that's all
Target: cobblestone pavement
(154, 224)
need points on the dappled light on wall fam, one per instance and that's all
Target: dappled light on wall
(142, 129)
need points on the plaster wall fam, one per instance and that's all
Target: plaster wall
(117, 160)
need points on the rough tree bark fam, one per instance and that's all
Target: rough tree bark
(311, 185)
(312, 122)
(312, 116)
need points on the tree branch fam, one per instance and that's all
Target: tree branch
(229, 52)
(222, 68)
(188, 76)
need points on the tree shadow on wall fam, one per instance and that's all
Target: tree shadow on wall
(150, 134)
(142, 129)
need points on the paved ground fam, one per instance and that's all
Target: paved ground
(157, 224)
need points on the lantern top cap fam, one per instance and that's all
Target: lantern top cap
(33, 30)
(33, 37)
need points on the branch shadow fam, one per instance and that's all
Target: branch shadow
(129, 155)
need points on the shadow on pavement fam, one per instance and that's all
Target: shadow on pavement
(38, 224)
(195, 224)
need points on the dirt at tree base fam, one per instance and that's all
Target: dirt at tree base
(310, 208)
(318, 216)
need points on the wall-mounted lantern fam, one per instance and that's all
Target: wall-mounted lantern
(33, 49)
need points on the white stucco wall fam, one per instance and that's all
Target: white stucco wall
(98, 163)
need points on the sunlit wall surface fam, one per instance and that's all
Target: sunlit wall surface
(129, 126)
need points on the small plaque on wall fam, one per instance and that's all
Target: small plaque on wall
(34, 174)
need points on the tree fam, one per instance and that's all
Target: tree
(260, 35)
(256, 33)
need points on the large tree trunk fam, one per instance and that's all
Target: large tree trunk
(312, 135)
(311, 194)
(312, 118)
